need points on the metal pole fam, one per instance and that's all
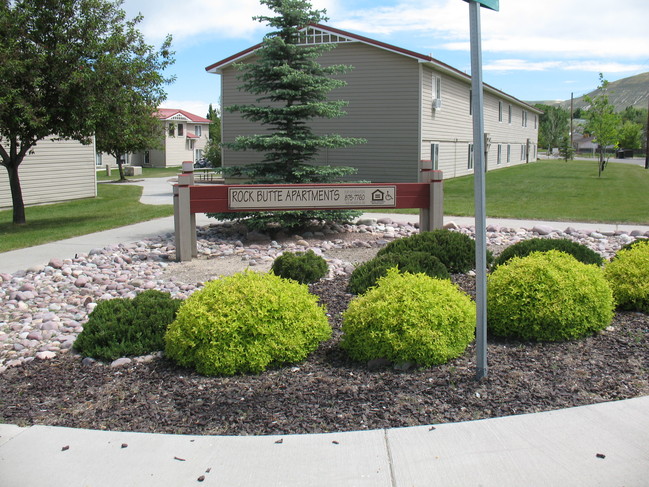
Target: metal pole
(479, 192)
(646, 145)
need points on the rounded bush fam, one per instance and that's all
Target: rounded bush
(630, 245)
(366, 274)
(455, 250)
(628, 275)
(127, 327)
(409, 318)
(548, 296)
(245, 323)
(526, 247)
(300, 266)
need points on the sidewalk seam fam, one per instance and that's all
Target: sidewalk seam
(393, 478)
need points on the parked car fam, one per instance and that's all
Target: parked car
(201, 163)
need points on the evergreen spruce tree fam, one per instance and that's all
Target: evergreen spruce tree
(291, 88)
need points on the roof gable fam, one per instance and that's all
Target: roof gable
(177, 114)
(322, 34)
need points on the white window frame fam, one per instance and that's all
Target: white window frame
(509, 116)
(470, 102)
(437, 88)
(198, 130)
(524, 118)
(509, 153)
(470, 157)
(434, 156)
(499, 157)
(181, 130)
(500, 111)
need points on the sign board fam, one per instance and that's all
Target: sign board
(311, 197)
(491, 4)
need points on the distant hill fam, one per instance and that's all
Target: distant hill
(632, 91)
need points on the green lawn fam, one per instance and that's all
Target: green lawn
(147, 172)
(115, 206)
(557, 190)
(547, 190)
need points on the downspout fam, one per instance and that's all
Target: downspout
(421, 120)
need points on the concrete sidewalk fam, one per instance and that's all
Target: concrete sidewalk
(600, 445)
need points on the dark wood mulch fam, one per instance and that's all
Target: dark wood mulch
(328, 392)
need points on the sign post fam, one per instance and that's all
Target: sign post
(479, 184)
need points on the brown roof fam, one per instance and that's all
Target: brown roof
(216, 67)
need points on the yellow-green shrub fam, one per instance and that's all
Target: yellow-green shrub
(409, 318)
(548, 296)
(246, 322)
(628, 275)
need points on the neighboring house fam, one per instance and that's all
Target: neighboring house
(185, 138)
(54, 171)
(583, 144)
(410, 107)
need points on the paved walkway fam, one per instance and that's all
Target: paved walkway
(599, 445)
(158, 191)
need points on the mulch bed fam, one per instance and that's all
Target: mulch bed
(328, 392)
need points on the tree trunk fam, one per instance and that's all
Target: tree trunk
(600, 166)
(120, 168)
(16, 195)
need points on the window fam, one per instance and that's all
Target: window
(522, 152)
(199, 154)
(499, 158)
(171, 130)
(180, 130)
(500, 111)
(197, 130)
(98, 159)
(437, 88)
(510, 114)
(470, 158)
(509, 153)
(471, 103)
(434, 156)
(524, 118)
(535, 122)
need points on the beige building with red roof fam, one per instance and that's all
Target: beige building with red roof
(185, 138)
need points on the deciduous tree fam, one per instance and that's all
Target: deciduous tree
(68, 69)
(602, 122)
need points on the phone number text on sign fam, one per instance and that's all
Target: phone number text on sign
(301, 197)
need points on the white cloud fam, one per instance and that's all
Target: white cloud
(192, 19)
(597, 29)
(531, 65)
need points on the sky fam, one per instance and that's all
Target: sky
(532, 49)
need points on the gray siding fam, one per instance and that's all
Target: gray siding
(390, 99)
(451, 126)
(383, 95)
(56, 171)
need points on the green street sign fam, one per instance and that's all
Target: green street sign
(491, 4)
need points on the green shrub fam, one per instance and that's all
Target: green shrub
(366, 274)
(409, 318)
(630, 245)
(628, 275)
(526, 247)
(245, 323)
(455, 250)
(127, 327)
(548, 296)
(301, 267)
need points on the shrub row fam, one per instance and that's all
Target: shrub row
(248, 322)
